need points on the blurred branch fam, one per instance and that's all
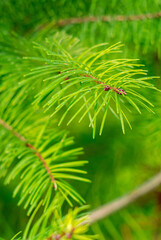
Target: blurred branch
(124, 201)
(118, 18)
(116, 205)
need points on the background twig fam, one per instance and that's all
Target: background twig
(125, 200)
(118, 18)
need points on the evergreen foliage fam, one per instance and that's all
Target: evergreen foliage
(52, 74)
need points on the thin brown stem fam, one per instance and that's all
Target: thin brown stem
(43, 161)
(118, 18)
(36, 152)
(117, 204)
(85, 19)
(106, 87)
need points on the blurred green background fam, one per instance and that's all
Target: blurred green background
(117, 162)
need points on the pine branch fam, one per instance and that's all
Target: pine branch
(116, 205)
(82, 82)
(92, 78)
(21, 138)
(88, 79)
(37, 153)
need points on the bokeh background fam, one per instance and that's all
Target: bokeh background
(117, 163)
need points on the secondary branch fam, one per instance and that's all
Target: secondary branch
(118, 18)
(117, 204)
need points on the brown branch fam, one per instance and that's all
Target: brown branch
(118, 18)
(22, 139)
(43, 161)
(116, 205)
(119, 91)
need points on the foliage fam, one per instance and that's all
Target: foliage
(51, 75)
(70, 77)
